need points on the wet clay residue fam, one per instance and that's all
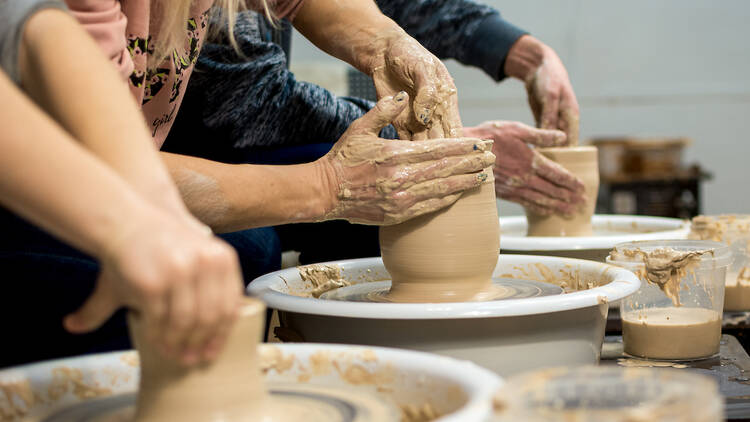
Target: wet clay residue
(722, 228)
(322, 277)
(424, 413)
(569, 278)
(639, 363)
(664, 267)
(18, 399)
(66, 380)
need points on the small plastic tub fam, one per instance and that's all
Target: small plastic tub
(733, 231)
(677, 312)
(613, 394)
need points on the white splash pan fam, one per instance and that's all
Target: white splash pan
(507, 336)
(609, 230)
(110, 380)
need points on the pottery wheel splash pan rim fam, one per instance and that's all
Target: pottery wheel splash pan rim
(621, 284)
(118, 372)
(668, 229)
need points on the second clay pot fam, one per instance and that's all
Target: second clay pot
(582, 162)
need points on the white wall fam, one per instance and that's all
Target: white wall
(639, 67)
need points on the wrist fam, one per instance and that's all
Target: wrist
(525, 57)
(324, 191)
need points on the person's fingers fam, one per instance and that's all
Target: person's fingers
(549, 189)
(557, 174)
(434, 188)
(428, 95)
(550, 110)
(181, 316)
(208, 293)
(413, 174)
(405, 152)
(95, 311)
(384, 112)
(541, 137)
(569, 123)
(429, 205)
(528, 196)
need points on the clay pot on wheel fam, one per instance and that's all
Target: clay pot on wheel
(445, 256)
(582, 162)
(228, 389)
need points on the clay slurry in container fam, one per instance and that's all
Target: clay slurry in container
(581, 161)
(676, 314)
(734, 231)
(231, 388)
(448, 255)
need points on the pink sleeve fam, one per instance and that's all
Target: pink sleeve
(281, 8)
(105, 22)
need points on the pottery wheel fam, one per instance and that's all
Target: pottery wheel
(504, 288)
(315, 404)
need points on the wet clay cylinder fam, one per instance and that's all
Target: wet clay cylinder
(582, 162)
(445, 256)
(229, 389)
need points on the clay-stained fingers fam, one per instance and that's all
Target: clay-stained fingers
(405, 152)
(552, 191)
(550, 110)
(435, 188)
(424, 207)
(411, 174)
(385, 111)
(428, 93)
(540, 137)
(557, 174)
(569, 121)
(536, 201)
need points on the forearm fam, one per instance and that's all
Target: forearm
(231, 197)
(65, 72)
(354, 30)
(47, 178)
(470, 32)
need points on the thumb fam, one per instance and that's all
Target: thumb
(384, 112)
(96, 310)
(543, 137)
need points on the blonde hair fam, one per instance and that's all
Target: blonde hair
(174, 15)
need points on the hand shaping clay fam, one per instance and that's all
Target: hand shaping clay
(582, 162)
(228, 389)
(445, 256)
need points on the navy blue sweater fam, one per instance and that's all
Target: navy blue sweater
(236, 104)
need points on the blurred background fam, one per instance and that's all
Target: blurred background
(646, 69)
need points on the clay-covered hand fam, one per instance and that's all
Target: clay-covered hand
(402, 64)
(550, 92)
(525, 176)
(184, 284)
(371, 180)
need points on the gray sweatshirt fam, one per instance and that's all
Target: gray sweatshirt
(236, 106)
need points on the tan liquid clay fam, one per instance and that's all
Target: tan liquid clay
(446, 256)
(583, 163)
(673, 333)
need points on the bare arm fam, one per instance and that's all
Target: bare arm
(97, 110)
(230, 197)
(49, 179)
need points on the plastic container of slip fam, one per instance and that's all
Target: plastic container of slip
(676, 314)
(734, 231)
(613, 394)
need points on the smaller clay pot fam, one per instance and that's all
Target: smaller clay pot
(582, 162)
(228, 389)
